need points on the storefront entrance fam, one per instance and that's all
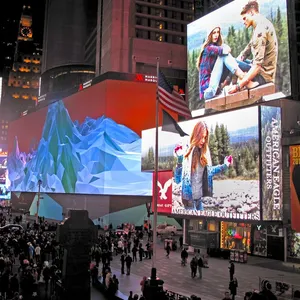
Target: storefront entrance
(259, 240)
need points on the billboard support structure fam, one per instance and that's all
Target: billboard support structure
(156, 174)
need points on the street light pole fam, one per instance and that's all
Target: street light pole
(38, 200)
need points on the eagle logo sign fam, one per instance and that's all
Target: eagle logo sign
(163, 190)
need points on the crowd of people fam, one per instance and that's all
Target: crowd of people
(128, 248)
(30, 255)
(24, 257)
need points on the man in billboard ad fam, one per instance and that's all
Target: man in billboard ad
(215, 168)
(247, 48)
(295, 186)
(271, 163)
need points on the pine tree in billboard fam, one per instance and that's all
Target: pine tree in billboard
(271, 163)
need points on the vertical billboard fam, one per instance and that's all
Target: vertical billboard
(271, 163)
(164, 192)
(295, 186)
(215, 168)
(5, 194)
(231, 45)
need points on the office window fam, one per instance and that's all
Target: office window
(138, 8)
(159, 25)
(138, 21)
(159, 37)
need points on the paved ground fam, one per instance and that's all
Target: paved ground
(215, 279)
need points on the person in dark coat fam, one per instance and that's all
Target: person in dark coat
(94, 274)
(231, 270)
(233, 284)
(141, 252)
(200, 266)
(193, 265)
(14, 284)
(134, 251)
(128, 261)
(181, 242)
(168, 250)
(122, 263)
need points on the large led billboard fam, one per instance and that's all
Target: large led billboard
(215, 168)
(93, 156)
(239, 52)
(229, 165)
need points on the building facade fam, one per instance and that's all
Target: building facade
(23, 81)
(65, 29)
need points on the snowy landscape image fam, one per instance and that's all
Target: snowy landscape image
(97, 156)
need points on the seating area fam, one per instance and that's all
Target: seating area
(244, 97)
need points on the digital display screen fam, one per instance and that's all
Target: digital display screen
(271, 163)
(238, 54)
(215, 168)
(63, 155)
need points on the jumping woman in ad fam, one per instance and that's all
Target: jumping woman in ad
(196, 172)
(214, 55)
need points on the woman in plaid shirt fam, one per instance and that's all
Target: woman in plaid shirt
(214, 56)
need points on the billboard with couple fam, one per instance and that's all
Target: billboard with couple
(240, 46)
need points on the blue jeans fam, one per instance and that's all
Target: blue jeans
(231, 65)
(225, 60)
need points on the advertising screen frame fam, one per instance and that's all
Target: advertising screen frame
(261, 177)
(209, 213)
(96, 156)
(286, 87)
(274, 181)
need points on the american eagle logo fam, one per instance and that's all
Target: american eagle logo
(163, 190)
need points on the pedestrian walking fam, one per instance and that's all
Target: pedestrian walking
(231, 270)
(168, 249)
(142, 284)
(200, 266)
(193, 265)
(122, 263)
(233, 284)
(181, 242)
(141, 252)
(128, 261)
(134, 251)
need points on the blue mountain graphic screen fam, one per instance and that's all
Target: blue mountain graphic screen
(97, 156)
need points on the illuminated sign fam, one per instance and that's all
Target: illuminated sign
(145, 78)
(214, 61)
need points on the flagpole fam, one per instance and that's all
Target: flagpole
(153, 272)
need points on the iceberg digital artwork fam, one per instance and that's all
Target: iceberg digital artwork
(97, 156)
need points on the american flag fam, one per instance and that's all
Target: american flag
(170, 98)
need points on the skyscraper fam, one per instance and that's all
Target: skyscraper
(23, 82)
(130, 35)
(66, 26)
